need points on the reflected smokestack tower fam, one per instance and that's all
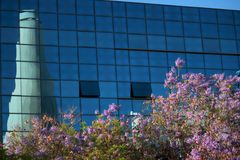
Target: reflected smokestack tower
(28, 35)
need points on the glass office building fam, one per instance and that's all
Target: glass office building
(86, 54)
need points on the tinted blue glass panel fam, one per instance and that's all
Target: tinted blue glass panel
(137, 41)
(104, 24)
(120, 40)
(158, 74)
(238, 46)
(193, 44)
(29, 4)
(138, 58)
(88, 119)
(174, 28)
(194, 70)
(192, 29)
(89, 89)
(208, 15)
(103, 8)
(158, 89)
(69, 104)
(49, 54)
(89, 105)
(47, 6)
(9, 19)
(125, 106)
(237, 17)
(135, 10)
(213, 61)
(123, 73)
(141, 90)
(173, 56)
(70, 88)
(172, 13)
(230, 62)
(68, 55)
(106, 56)
(119, 24)
(66, 6)
(105, 40)
(225, 17)
(8, 52)
(108, 89)
(8, 86)
(229, 72)
(228, 46)
(122, 57)
(195, 61)
(155, 27)
(50, 88)
(88, 72)
(138, 72)
(86, 23)
(49, 71)
(86, 39)
(107, 72)
(66, 22)
(8, 69)
(209, 30)
(85, 7)
(154, 11)
(158, 59)
(69, 71)
(136, 26)
(211, 45)
(138, 106)
(9, 5)
(211, 72)
(119, 9)
(190, 14)
(175, 43)
(237, 32)
(9, 35)
(48, 37)
(67, 38)
(48, 21)
(156, 43)
(124, 90)
(87, 55)
(226, 32)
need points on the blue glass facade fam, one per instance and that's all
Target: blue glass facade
(90, 53)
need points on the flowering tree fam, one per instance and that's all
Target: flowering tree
(198, 120)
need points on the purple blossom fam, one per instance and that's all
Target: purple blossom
(179, 63)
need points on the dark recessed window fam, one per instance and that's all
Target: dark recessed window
(141, 90)
(89, 89)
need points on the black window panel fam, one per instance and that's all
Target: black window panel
(225, 17)
(89, 89)
(85, 7)
(172, 13)
(154, 11)
(140, 90)
(103, 8)
(208, 15)
(135, 10)
(119, 9)
(190, 14)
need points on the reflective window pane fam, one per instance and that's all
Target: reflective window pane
(68, 55)
(190, 14)
(33, 88)
(103, 8)
(192, 29)
(8, 69)
(86, 39)
(105, 40)
(29, 4)
(154, 11)
(67, 22)
(138, 72)
(195, 61)
(107, 72)
(193, 44)
(208, 15)
(69, 104)
(108, 89)
(8, 52)
(174, 28)
(136, 26)
(70, 88)
(175, 43)
(69, 71)
(89, 89)
(49, 54)
(10, 86)
(213, 61)
(48, 37)
(156, 43)
(226, 32)
(89, 105)
(66, 6)
(209, 30)
(137, 41)
(228, 46)
(138, 58)
(225, 17)
(87, 55)
(88, 72)
(119, 24)
(105, 56)
(85, 7)
(159, 89)
(119, 9)
(9, 5)
(123, 73)
(30, 70)
(9, 19)
(48, 21)
(141, 90)
(47, 6)
(9, 35)
(104, 24)
(158, 59)
(135, 10)
(230, 62)
(124, 90)
(120, 40)
(155, 27)
(67, 38)
(172, 13)
(86, 23)
(125, 106)
(211, 45)
(50, 88)
(50, 71)
(158, 74)
(122, 57)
